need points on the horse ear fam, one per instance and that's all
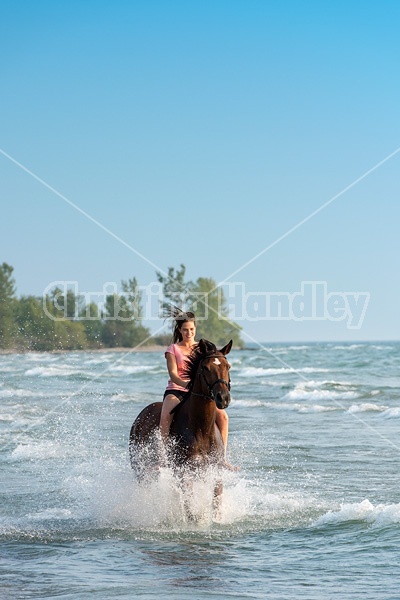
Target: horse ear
(203, 346)
(226, 349)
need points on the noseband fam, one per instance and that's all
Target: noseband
(210, 386)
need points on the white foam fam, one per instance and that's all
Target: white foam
(40, 450)
(349, 347)
(391, 413)
(114, 498)
(54, 371)
(105, 490)
(18, 393)
(302, 394)
(126, 397)
(325, 382)
(298, 347)
(52, 513)
(97, 361)
(41, 357)
(249, 403)
(130, 370)
(301, 408)
(365, 407)
(314, 408)
(6, 418)
(380, 515)
(261, 371)
(382, 347)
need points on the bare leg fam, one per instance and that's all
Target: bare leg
(166, 419)
(222, 422)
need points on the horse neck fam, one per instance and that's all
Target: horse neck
(201, 409)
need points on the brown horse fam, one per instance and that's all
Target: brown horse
(196, 442)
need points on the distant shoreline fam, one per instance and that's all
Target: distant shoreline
(151, 348)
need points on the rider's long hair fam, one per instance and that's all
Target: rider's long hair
(179, 317)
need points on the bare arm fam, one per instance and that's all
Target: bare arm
(173, 370)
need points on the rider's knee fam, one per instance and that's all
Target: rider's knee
(222, 416)
(168, 404)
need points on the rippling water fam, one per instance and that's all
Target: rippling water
(314, 511)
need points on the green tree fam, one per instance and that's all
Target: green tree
(91, 320)
(132, 306)
(69, 335)
(35, 328)
(38, 330)
(208, 303)
(7, 306)
(71, 301)
(123, 327)
(175, 289)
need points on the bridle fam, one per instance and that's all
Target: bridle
(209, 385)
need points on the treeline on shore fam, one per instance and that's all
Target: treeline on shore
(63, 320)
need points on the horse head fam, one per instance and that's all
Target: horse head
(213, 371)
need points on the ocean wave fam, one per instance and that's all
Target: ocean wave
(19, 393)
(6, 418)
(365, 407)
(56, 371)
(119, 397)
(99, 361)
(262, 371)
(131, 369)
(349, 347)
(237, 361)
(5, 369)
(300, 408)
(380, 515)
(267, 382)
(382, 347)
(298, 347)
(302, 394)
(42, 357)
(250, 403)
(313, 408)
(41, 450)
(326, 383)
(50, 514)
(392, 413)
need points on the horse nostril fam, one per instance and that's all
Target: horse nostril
(221, 400)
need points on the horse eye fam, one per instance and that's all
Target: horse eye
(206, 368)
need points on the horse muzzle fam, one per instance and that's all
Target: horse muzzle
(222, 399)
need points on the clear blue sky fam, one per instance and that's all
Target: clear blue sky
(200, 133)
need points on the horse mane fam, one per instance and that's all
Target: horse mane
(201, 350)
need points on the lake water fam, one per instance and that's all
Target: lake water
(313, 513)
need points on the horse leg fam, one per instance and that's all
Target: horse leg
(217, 499)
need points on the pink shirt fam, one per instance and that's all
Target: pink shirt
(180, 362)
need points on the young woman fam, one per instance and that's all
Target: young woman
(176, 355)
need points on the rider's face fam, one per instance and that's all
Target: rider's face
(188, 331)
